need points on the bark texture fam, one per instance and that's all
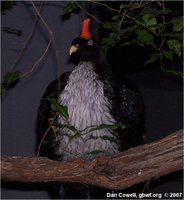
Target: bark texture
(123, 170)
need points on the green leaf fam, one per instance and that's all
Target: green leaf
(134, 5)
(156, 12)
(6, 5)
(104, 137)
(177, 24)
(107, 126)
(114, 126)
(11, 78)
(113, 25)
(69, 8)
(177, 35)
(111, 139)
(96, 152)
(158, 28)
(154, 57)
(130, 29)
(149, 20)
(109, 41)
(166, 11)
(176, 73)
(178, 27)
(133, 41)
(168, 55)
(144, 37)
(62, 126)
(122, 6)
(175, 45)
(72, 137)
(116, 17)
(56, 107)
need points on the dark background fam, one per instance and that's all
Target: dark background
(161, 92)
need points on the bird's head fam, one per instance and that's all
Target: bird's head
(83, 48)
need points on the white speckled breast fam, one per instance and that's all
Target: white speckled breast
(87, 106)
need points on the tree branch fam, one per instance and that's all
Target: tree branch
(123, 170)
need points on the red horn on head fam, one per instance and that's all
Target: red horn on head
(85, 29)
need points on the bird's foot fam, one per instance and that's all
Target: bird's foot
(80, 162)
(103, 158)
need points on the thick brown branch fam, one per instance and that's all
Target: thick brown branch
(121, 171)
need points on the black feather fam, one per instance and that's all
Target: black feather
(45, 113)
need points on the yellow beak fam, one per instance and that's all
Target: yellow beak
(72, 49)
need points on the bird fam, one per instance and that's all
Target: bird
(108, 113)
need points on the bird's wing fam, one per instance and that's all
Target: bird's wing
(129, 108)
(45, 133)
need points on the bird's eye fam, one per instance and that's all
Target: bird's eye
(90, 43)
(77, 45)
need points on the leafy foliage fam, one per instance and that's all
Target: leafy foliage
(96, 152)
(7, 5)
(69, 8)
(10, 79)
(74, 132)
(109, 41)
(70, 131)
(12, 31)
(144, 23)
(56, 107)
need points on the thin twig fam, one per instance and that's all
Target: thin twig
(161, 48)
(140, 6)
(128, 16)
(88, 13)
(40, 16)
(46, 132)
(57, 64)
(160, 4)
(40, 144)
(39, 60)
(25, 44)
(53, 42)
(105, 5)
(146, 185)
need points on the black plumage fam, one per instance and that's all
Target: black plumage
(119, 101)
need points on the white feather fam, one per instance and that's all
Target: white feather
(87, 106)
